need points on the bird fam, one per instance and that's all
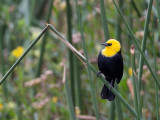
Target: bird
(110, 64)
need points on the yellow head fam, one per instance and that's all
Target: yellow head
(112, 46)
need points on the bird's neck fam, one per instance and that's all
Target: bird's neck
(108, 52)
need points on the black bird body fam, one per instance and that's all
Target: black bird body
(112, 69)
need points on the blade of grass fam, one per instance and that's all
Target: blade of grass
(78, 84)
(157, 99)
(104, 20)
(83, 59)
(68, 95)
(118, 105)
(118, 23)
(143, 47)
(71, 57)
(137, 45)
(32, 6)
(106, 35)
(3, 63)
(155, 68)
(118, 37)
(40, 62)
(158, 11)
(112, 111)
(136, 8)
(23, 55)
(86, 55)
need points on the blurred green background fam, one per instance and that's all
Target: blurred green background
(35, 90)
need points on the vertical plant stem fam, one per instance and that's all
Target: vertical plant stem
(158, 11)
(143, 47)
(118, 37)
(44, 41)
(86, 55)
(106, 34)
(2, 62)
(132, 50)
(112, 111)
(71, 57)
(78, 84)
(118, 105)
(69, 101)
(31, 11)
(118, 23)
(136, 8)
(104, 20)
(155, 68)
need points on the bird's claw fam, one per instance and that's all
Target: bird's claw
(111, 85)
(98, 73)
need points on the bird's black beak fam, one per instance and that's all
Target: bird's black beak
(105, 44)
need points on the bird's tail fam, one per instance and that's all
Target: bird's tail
(107, 94)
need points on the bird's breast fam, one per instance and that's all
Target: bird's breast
(108, 52)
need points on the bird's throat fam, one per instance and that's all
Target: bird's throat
(108, 52)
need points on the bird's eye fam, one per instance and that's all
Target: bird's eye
(109, 44)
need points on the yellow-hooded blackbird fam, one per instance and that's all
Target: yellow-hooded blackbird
(110, 63)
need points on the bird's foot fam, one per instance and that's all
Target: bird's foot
(98, 73)
(111, 85)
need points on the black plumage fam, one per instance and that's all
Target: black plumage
(112, 68)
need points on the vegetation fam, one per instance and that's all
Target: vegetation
(55, 78)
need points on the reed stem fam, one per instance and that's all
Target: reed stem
(86, 55)
(118, 105)
(143, 47)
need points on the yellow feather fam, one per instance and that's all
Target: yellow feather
(110, 51)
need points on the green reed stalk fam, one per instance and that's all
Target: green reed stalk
(71, 57)
(106, 34)
(3, 63)
(143, 47)
(118, 105)
(137, 45)
(31, 14)
(86, 55)
(158, 11)
(104, 20)
(82, 58)
(44, 41)
(155, 68)
(69, 101)
(118, 37)
(132, 50)
(118, 23)
(112, 111)
(78, 84)
(136, 8)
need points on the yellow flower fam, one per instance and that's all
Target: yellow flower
(54, 99)
(18, 52)
(1, 106)
(130, 71)
(77, 111)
